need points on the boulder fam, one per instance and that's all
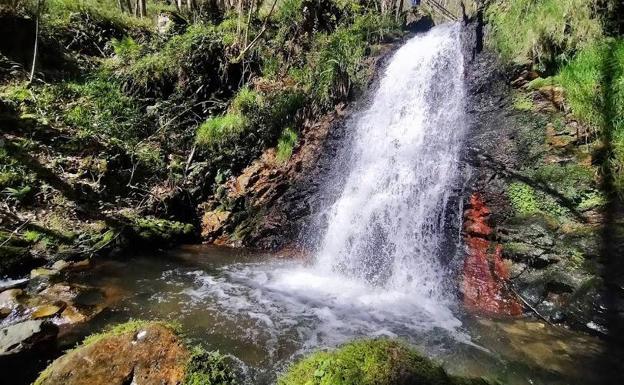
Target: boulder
(371, 362)
(134, 353)
(25, 336)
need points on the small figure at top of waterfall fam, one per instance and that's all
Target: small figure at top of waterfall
(415, 3)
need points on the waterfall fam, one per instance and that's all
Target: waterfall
(387, 226)
(377, 270)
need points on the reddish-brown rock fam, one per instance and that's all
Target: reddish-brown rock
(485, 275)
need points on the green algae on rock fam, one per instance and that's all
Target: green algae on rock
(370, 362)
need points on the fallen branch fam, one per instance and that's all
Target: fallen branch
(527, 304)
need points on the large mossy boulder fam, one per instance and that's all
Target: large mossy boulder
(371, 362)
(139, 353)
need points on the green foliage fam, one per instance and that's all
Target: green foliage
(594, 86)
(369, 362)
(100, 108)
(337, 66)
(542, 30)
(571, 180)
(522, 102)
(208, 368)
(285, 145)
(523, 199)
(245, 101)
(126, 48)
(219, 130)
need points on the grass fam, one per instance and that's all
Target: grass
(220, 129)
(599, 102)
(542, 31)
(285, 145)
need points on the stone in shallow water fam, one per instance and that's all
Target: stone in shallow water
(25, 335)
(47, 310)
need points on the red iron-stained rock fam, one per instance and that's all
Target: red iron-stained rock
(485, 274)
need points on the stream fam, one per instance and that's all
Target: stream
(267, 311)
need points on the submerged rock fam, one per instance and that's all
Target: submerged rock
(370, 362)
(25, 336)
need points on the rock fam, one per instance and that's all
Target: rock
(213, 222)
(8, 298)
(60, 265)
(25, 336)
(371, 362)
(43, 272)
(554, 94)
(47, 310)
(136, 353)
(5, 312)
(416, 22)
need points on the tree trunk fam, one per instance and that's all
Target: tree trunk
(143, 8)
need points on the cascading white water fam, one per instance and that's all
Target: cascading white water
(377, 271)
(387, 226)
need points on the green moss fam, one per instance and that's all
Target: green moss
(522, 198)
(153, 230)
(131, 326)
(369, 362)
(522, 102)
(208, 368)
(285, 145)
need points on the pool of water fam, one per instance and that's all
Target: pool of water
(266, 311)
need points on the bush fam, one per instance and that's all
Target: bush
(369, 362)
(542, 31)
(522, 198)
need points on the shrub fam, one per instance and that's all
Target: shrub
(220, 129)
(285, 145)
(541, 30)
(246, 100)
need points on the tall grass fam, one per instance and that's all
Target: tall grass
(594, 86)
(286, 144)
(542, 31)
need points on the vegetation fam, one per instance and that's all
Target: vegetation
(369, 362)
(544, 31)
(208, 368)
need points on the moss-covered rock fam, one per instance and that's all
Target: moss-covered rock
(137, 352)
(370, 362)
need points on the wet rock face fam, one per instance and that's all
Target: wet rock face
(152, 354)
(532, 167)
(485, 275)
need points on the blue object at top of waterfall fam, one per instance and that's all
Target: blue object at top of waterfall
(415, 2)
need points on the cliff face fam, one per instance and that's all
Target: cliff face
(535, 171)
